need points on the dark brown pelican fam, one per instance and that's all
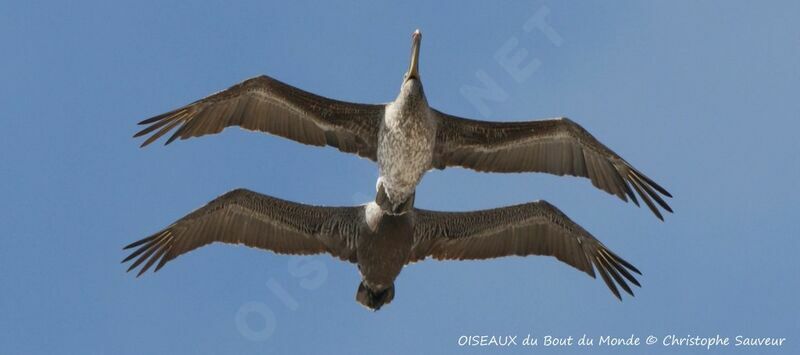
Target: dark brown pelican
(407, 137)
(381, 243)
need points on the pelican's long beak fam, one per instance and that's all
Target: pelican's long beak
(413, 69)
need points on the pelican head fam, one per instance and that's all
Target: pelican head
(413, 68)
(374, 299)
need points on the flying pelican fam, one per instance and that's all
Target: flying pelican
(381, 243)
(407, 137)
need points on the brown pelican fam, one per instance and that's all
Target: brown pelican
(381, 243)
(407, 137)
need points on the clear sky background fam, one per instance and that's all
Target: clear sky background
(703, 97)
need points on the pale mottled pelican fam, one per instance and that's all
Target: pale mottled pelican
(381, 243)
(407, 137)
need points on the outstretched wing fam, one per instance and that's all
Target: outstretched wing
(268, 105)
(536, 228)
(255, 220)
(557, 146)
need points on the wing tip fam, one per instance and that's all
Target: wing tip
(138, 134)
(151, 249)
(644, 187)
(614, 271)
(149, 120)
(139, 242)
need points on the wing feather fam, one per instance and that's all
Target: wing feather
(536, 228)
(268, 105)
(556, 146)
(255, 220)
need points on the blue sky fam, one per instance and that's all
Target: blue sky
(700, 96)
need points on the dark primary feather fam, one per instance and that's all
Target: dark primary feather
(255, 220)
(558, 146)
(268, 105)
(536, 228)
